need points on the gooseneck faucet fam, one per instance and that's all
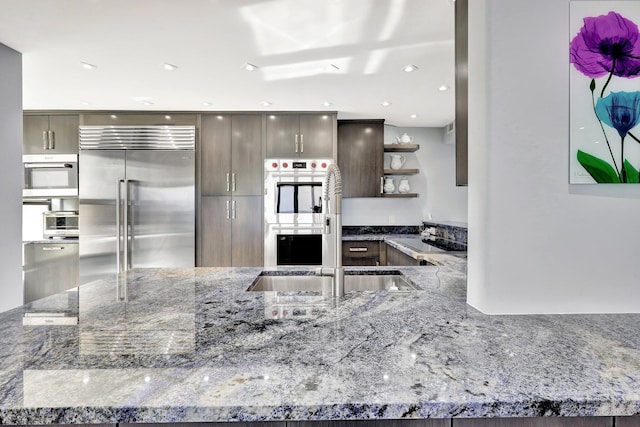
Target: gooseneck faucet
(332, 230)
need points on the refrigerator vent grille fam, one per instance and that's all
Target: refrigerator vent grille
(168, 137)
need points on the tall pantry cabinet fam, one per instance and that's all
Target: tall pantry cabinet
(231, 180)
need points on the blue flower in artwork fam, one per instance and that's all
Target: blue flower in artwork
(620, 110)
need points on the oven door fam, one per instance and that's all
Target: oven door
(53, 175)
(293, 199)
(292, 245)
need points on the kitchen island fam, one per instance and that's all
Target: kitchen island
(192, 345)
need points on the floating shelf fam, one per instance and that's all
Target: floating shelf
(399, 195)
(401, 148)
(400, 171)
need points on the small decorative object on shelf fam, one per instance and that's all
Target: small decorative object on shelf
(404, 139)
(397, 161)
(404, 187)
(389, 186)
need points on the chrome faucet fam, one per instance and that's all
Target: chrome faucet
(332, 230)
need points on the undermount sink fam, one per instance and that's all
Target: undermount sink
(322, 284)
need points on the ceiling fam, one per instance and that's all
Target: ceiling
(350, 53)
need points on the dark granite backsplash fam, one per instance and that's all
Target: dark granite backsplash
(453, 233)
(352, 230)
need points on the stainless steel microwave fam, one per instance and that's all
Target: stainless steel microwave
(50, 175)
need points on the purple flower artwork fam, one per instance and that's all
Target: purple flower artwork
(605, 92)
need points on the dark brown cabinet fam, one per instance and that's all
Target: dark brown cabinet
(300, 135)
(397, 257)
(361, 252)
(231, 155)
(50, 134)
(360, 157)
(231, 181)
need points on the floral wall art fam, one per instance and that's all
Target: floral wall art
(604, 53)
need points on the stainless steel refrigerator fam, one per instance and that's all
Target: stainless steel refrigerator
(137, 198)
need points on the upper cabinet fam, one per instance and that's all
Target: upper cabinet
(308, 136)
(50, 134)
(360, 156)
(231, 155)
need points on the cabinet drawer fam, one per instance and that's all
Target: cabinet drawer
(361, 253)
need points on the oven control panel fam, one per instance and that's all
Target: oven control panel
(297, 165)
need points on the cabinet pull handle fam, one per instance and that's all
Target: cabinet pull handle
(381, 184)
(233, 209)
(358, 249)
(302, 143)
(228, 211)
(227, 181)
(296, 142)
(45, 140)
(52, 140)
(53, 248)
(233, 182)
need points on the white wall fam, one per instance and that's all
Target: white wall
(12, 179)
(537, 244)
(435, 184)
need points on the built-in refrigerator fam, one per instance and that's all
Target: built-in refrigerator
(137, 198)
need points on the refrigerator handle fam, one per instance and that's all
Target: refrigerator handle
(126, 225)
(118, 223)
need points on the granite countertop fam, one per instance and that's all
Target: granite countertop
(191, 345)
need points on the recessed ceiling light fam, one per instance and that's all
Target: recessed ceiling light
(250, 67)
(327, 104)
(409, 68)
(168, 117)
(148, 103)
(85, 102)
(113, 116)
(413, 116)
(385, 103)
(206, 104)
(88, 66)
(266, 103)
(443, 88)
(169, 67)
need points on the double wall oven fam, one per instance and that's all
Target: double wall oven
(293, 219)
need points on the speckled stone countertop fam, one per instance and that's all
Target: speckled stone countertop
(191, 345)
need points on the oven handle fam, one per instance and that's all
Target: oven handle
(296, 227)
(47, 165)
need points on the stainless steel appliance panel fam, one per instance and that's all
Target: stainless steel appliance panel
(137, 209)
(100, 177)
(50, 175)
(161, 192)
(49, 268)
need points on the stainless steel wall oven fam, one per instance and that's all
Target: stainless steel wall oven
(293, 211)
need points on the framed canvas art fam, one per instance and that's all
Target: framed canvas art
(604, 99)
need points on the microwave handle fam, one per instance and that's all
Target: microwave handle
(48, 165)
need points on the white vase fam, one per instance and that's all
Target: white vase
(404, 187)
(397, 161)
(389, 186)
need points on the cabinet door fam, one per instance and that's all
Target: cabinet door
(360, 157)
(215, 232)
(316, 136)
(65, 133)
(215, 149)
(246, 232)
(361, 253)
(246, 157)
(282, 130)
(33, 139)
(396, 257)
